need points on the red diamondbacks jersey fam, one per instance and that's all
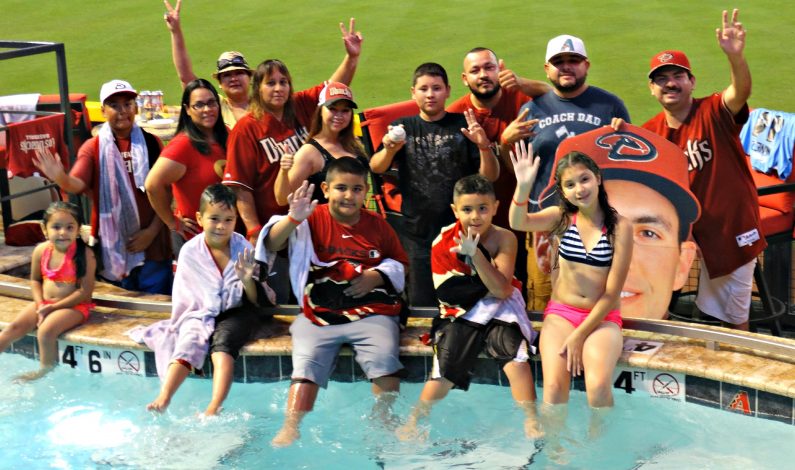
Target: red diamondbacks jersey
(255, 148)
(367, 243)
(729, 232)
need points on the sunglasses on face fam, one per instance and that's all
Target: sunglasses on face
(236, 61)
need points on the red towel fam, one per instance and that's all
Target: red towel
(23, 138)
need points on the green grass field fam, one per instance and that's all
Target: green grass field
(128, 39)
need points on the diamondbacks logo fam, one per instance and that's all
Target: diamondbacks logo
(567, 46)
(665, 57)
(625, 146)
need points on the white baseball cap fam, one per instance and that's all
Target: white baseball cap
(114, 87)
(565, 44)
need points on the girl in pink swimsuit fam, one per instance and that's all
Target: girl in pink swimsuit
(61, 281)
(581, 333)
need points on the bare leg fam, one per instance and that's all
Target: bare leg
(300, 400)
(54, 324)
(175, 375)
(557, 380)
(600, 353)
(554, 418)
(520, 377)
(23, 324)
(223, 373)
(744, 326)
(386, 391)
(433, 391)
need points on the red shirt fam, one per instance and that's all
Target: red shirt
(729, 233)
(255, 148)
(367, 242)
(494, 121)
(200, 171)
(87, 170)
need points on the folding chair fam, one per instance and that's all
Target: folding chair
(374, 123)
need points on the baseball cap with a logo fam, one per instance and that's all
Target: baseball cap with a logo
(636, 154)
(675, 58)
(115, 87)
(565, 44)
(333, 92)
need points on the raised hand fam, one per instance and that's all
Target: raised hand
(525, 167)
(245, 265)
(474, 131)
(351, 38)
(300, 202)
(507, 77)
(390, 144)
(50, 165)
(171, 16)
(518, 129)
(467, 245)
(731, 35)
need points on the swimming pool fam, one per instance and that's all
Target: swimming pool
(73, 419)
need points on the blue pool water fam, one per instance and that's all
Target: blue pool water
(73, 420)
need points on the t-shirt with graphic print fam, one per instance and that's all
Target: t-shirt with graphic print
(435, 156)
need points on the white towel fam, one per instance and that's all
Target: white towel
(24, 102)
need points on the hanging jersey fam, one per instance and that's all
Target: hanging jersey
(573, 249)
(768, 138)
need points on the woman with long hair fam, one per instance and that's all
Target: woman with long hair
(330, 137)
(581, 333)
(276, 125)
(193, 160)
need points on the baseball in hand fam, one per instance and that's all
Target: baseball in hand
(397, 134)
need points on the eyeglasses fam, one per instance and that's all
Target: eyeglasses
(199, 105)
(234, 61)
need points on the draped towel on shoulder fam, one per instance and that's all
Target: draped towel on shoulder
(461, 292)
(118, 213)
(201, 292)
(322, 300)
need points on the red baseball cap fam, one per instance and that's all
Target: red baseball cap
(675, 58)
(636, 154)
(333, 92)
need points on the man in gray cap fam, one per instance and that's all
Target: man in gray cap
(572, 107)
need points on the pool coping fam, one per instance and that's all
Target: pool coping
(711, 373)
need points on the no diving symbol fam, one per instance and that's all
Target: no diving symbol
(129, 363)
(665, 385)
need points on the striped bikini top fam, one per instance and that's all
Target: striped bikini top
(572, 249)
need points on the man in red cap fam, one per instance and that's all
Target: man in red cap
(729, 233)
(646, 182)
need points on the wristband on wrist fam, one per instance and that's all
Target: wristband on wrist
(520, 204)
(293, 220)
(254, 231)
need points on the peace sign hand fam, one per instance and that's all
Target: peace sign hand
(171, 16)
(351, 38)
(474, 131)
(731, 35)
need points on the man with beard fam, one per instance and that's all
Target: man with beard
(729, 233)
(496, 94)
(572, 107)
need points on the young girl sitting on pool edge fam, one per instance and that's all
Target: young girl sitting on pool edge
(61, 283)
(581, 332)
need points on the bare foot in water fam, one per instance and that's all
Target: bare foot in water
(31, 376)
(409, 432)
(532, 429)
(212, 410)
(160, 404)
(285, 437)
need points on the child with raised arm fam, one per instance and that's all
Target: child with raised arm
(61, 281)
(481, 305)
(214, 305)
(347, 270)
(581, 332)
(439, 149)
